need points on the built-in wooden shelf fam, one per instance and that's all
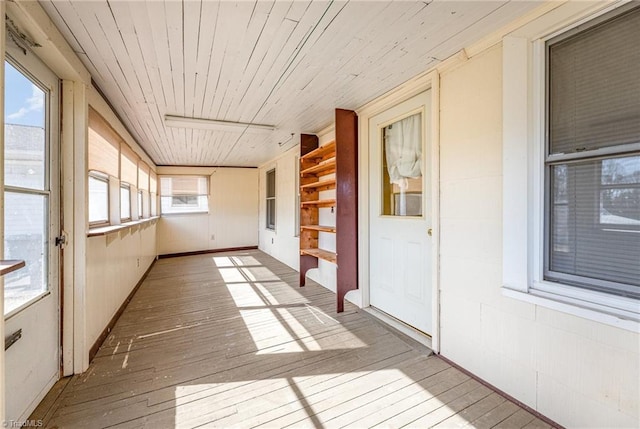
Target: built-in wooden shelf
(321, 169)
(320, 254)
(10, 265)
(321, 185)
(106, 230)
(319, 203)
(321, 152)
(316, 164)
(321, 228)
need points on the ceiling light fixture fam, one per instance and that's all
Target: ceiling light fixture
(214, 124)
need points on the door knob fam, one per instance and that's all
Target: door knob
(430, 232)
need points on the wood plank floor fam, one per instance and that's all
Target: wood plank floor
(230, 340)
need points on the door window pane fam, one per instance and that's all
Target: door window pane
(25, 238)
(98, 200)
(402, 167)
(25, 142)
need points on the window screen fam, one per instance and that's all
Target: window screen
(593, 199)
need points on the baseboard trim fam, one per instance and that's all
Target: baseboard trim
(105, 333)
(204, 252)
(504, 394)
(411, 332)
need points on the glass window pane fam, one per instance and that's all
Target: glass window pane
(620, 191)
(271, 183)
(25, 141)
(402, 168)
(593, 86)
(184, 185)
(140, 205)
(125, 203)
(271, 213)
(98, 200)
(25, 238)
(154, 204)
(184, 204)
(595, 225)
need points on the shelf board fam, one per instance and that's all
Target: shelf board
(323, 168)
(319, 203)
(320, 254)
(9, 265)
(321, 228)
(321, 151)
(321, 185)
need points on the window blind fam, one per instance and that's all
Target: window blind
(595, 219)
(594, 87)
(184, 186)
(153, 182)
(103, 147)
(593, 209)
(143, 176)
(128, 165)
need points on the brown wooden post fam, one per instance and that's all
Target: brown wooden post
(346, 127)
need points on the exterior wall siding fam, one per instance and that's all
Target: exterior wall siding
(577, 372)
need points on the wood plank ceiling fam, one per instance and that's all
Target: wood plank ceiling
(285, 63)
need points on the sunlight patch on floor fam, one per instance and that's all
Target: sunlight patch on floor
(233, 402)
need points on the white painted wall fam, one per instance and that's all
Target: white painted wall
(231, 221)
(577, 372)
(115, 264)
(283, 242)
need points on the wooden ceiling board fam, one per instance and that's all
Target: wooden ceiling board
(284, 63)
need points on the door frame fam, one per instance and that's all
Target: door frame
(424, 82)
(41, 75)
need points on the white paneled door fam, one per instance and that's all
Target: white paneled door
(31, 223)
(400, 212)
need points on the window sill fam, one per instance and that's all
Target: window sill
(10, 265)
(577, 308)
(106, 230)
(185, 213)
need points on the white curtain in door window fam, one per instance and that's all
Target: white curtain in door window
(403, 149)
(403, 152)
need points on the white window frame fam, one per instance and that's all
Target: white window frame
(124, 185)
(524, 111)
(103, 178)
(269, 226)
(203, 200)
(140, 204)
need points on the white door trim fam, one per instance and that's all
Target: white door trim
(404, 92)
